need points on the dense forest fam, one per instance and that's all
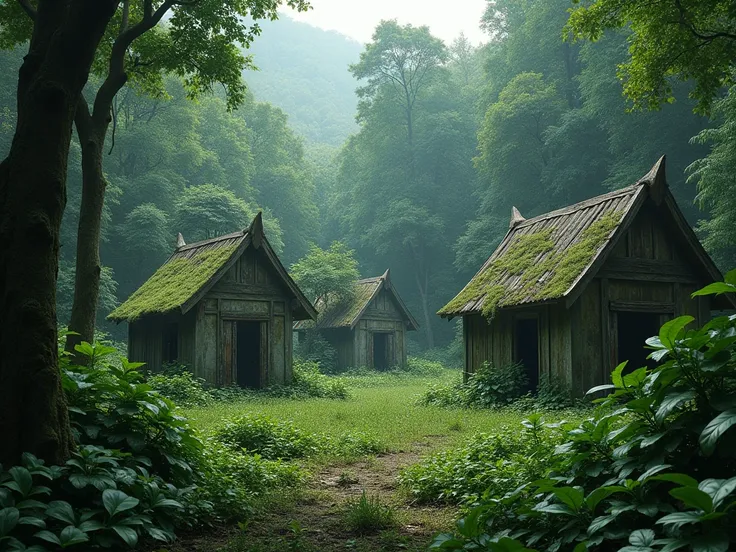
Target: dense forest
(423, 183)
(284, 220)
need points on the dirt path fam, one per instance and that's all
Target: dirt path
(314, 521)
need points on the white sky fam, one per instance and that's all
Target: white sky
(358, 18)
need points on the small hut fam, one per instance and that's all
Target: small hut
(223, 307)
(368, 331)
(572, 293)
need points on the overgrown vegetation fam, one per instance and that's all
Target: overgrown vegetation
(140, 470)
(530, 257)
(284, 441)
(487, 466)
(652, 469)
(368, 514)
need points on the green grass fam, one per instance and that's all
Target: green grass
(383, 406)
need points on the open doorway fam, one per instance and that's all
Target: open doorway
(249, 354)
(170, 343)
(634, 328)
(380, 351)
(526, 349)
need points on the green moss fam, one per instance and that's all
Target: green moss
(543, 272)
(173, 284)
(342, 313)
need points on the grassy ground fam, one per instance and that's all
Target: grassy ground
(384, 407)
(313, 518)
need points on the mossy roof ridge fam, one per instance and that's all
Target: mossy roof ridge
(180, 278)
(541, 259)
(344, 313)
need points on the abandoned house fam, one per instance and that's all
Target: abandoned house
(367, 331)
(223, 307)
(572, 293)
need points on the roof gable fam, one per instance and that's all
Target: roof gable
(554, 256)
(193, 269)
(347, 314)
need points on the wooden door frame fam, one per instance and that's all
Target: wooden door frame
(265, 344)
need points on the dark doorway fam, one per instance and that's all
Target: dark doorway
(634, 328)
(526, 349)
(170, 343)
(249, 354)
(380, 351)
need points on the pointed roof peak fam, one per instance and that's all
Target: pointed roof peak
(180, 241)
(656, 180)
(256, 230)
(386, 275)
(516, 217)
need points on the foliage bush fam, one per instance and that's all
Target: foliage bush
(489, 386)
(140, 470)
(487, 465)
(368, 515)
(312, 347)
(182, 388)
(651, 470)
(282, 440)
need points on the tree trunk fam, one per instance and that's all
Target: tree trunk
(423, 294)
(88, 268)
(33, 413)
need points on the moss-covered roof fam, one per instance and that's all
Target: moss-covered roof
(187, 271)
(541, 259)
(345, 314)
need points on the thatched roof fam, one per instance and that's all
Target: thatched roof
(193, 269)
(346, 314)
(553, 256)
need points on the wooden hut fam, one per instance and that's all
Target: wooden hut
(368, 331)
(574, 292)
(223, 307)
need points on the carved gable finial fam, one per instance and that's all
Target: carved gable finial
(256, 230)
(516, 217)
(180, 241)
(656, 180)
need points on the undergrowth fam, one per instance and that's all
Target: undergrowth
(366, 515)
(283, 440)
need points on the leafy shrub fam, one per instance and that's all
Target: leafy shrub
(282, 440)
(182, 388)
(267, 437)
(312, 347)
(488, 464)
(488, 387)
(651, 470)
(424, 367)
(309, 382)
(368, 515)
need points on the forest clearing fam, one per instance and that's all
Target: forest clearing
(322, 275)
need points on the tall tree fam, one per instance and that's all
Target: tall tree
(198, 42)
(689, 39)
(64, 36)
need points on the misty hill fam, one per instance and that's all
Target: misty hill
(304, 71)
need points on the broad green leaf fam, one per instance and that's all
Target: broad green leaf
(555, 509)
(8, 520)
(652, 471)
(33, 521)
(717, 288)
(70, 536)
(48, 536)
(598, 388)
(599, 523)
(21, 482)
(62, 511)
(671, 402)
(713, 431)
(127, 534)
(718, 489)
(117, 501)
(617, 374)
(571, 496)
(670, 331)
(679, 519)
(642, 537)
(693, 497)
(679, 478)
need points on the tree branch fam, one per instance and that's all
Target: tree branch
(710, 36)
(125, 16)
(28, 8)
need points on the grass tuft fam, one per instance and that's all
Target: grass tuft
(368, 515)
